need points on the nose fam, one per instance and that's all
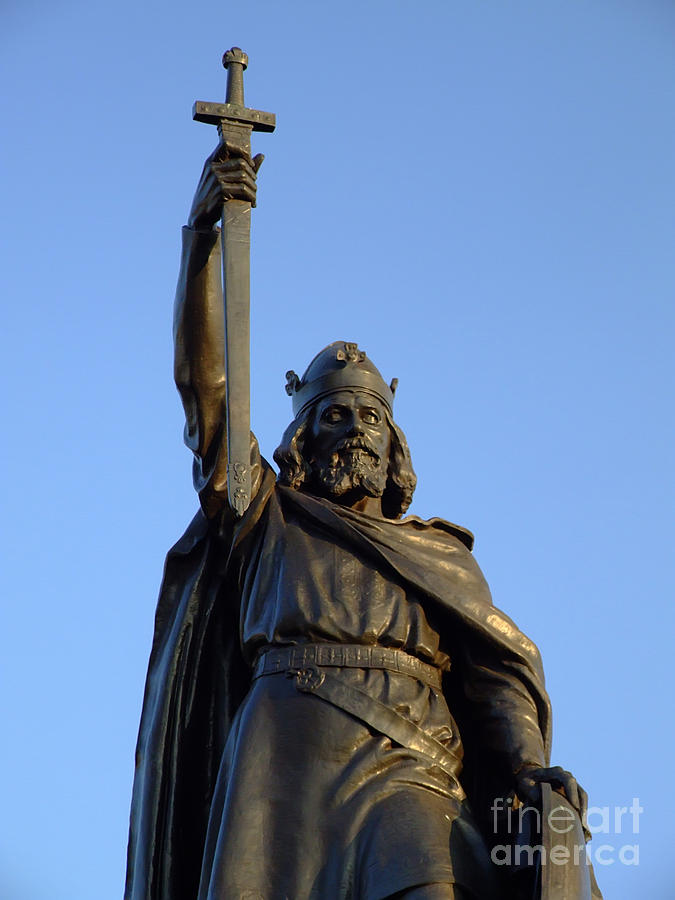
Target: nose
(354, 423)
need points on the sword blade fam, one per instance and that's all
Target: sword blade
(236, 243)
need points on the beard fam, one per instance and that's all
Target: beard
(353, 466)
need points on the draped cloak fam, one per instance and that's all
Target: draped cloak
(198, 677)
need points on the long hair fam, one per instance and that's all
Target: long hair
(294, 469)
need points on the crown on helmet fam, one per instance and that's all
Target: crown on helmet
(340, 366)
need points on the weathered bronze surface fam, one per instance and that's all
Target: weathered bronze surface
(334, 707)
(235, 123)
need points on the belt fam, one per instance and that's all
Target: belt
(302, 662)
(349, 656)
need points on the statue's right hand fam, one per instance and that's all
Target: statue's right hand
(228, 174)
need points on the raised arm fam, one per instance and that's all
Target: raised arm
(199, 330)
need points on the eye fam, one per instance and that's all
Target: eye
(370, 416)
(332, 414)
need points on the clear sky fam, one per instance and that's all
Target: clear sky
(478, 192)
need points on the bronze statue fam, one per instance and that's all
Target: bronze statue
(334, 708)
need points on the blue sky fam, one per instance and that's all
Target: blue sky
(481, 194)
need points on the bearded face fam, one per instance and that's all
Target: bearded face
(348, 447)
(354, 465)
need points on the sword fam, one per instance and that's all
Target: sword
(235, 123)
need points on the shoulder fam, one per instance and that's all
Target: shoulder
(440, 525)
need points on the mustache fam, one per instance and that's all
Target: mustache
(355, 443)
(349, 450)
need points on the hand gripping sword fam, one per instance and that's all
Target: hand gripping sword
(235, 123)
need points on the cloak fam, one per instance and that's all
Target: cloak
(197, 676)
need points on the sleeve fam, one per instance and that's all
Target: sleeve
(199, 368)
(505, 713)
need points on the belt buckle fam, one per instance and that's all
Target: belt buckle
(307, 679)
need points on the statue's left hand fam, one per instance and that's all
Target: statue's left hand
(530, 777)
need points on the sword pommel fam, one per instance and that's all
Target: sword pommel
(235, 61)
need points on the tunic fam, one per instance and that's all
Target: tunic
(310, 802)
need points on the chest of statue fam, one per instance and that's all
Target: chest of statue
(302, 585)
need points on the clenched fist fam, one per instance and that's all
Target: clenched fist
(228, 174)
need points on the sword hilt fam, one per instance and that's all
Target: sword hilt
(233, 111)
(235, 61)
